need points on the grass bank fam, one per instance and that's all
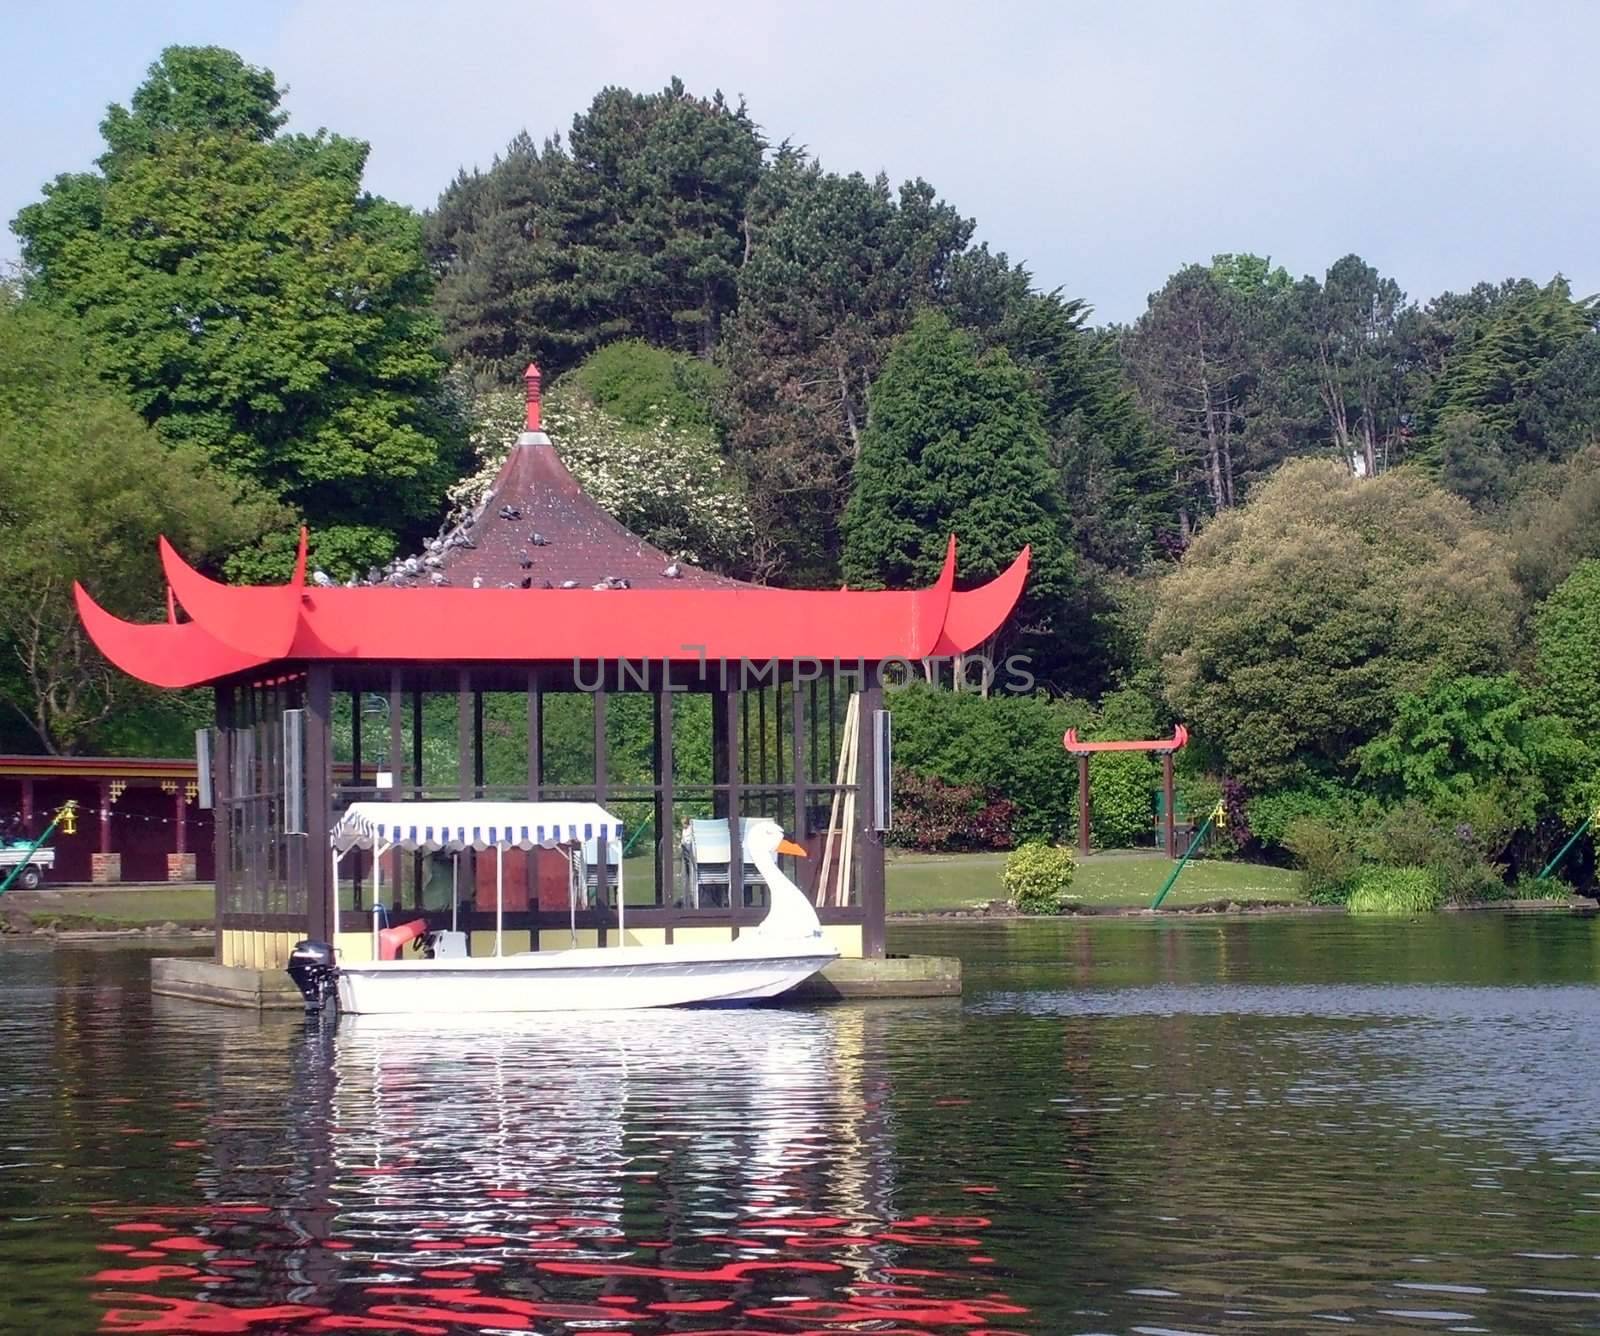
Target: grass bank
(71, 908)
(1123, 879)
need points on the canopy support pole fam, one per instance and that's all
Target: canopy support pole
(499, 897)
(622, 899)
(377, 888)
(455, 887)
(333, 890)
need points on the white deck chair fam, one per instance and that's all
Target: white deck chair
(706, 859)
(591, 869)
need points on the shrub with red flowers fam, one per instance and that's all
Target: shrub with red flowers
(933, 815)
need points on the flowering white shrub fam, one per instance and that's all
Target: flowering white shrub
(668, 484)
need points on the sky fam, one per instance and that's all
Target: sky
(1104, 144)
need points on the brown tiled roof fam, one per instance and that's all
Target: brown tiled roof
(538, 526)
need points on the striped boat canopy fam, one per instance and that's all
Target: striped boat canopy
(472, 824)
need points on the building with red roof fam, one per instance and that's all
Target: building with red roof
(537, 649)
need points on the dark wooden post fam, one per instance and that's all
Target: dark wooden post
(666, 833)
(477, 743)
(465, 765)
(869, 842)
(798, 725)
(222, 816)
(1167, 800)
(355, 739)
(180, 820)
(397, 757)
(535, 783)
(535, 735)
(27, 806)
(602, 883)
(322, 896)
(1083, 803)
(728, 708)
(464, 761)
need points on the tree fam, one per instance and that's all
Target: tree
(1473, 460)
(1115, 474)
(631, 425)
(255, 303)
(956, 444)
(1190, 359)
(1293, 626)
(88, 487)
(1508, 350)
(830, 282)
(1468, 735)
(1554, 523)
(1351, 323)
(1567, 653)
(1560, 413)
(635, 228)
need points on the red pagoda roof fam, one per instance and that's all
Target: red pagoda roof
(539, 573)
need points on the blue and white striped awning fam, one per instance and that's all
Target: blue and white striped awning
(473, 824)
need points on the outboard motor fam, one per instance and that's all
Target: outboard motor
(313, 971)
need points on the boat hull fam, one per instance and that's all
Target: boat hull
(604, 979)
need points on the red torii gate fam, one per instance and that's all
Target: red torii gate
(1163, 747)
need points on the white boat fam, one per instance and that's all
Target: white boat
(787, 947)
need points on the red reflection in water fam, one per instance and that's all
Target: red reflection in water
(814, 1274)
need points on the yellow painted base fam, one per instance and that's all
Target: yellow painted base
(701, 936)
(251, 950)
(846, 937)
(513, 941)
(560, 939)
(353, 947)
(639, 937)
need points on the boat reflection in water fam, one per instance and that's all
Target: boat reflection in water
(648, 1172)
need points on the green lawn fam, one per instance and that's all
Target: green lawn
(921, 882)
(184, 905)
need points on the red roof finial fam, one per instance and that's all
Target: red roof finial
(532, 377)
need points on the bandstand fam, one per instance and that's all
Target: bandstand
(542, 650)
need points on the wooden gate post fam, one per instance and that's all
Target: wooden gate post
(1083, 804)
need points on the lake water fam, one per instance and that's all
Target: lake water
(1298, 1124)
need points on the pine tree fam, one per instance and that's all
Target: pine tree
(635, 227)
(957, 444)
(836, 275)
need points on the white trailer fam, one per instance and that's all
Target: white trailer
(34, 865)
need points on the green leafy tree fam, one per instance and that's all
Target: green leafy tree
(1554, 521)
(1567, 665)
(87, 489)
(1294, 626)
(646, 386)
(956, 444)
(1466, 735)
(254, 303)
(1115, 473)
